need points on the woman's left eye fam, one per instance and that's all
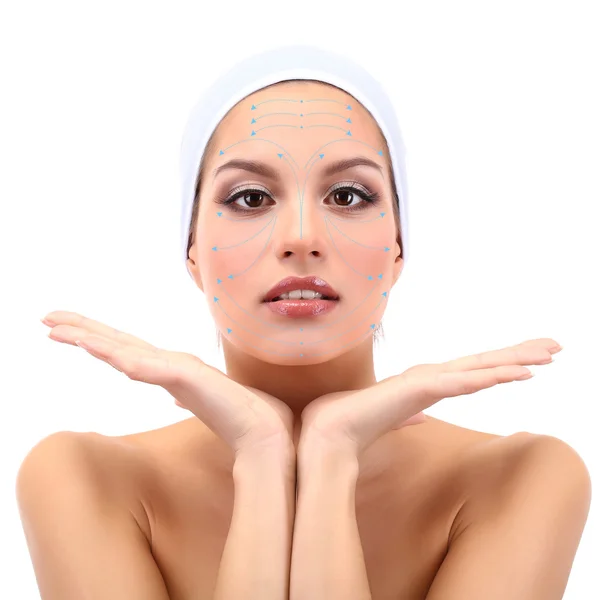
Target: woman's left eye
(346, 194)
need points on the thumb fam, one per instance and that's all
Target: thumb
(420, 417)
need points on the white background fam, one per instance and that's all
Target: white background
(498, 104)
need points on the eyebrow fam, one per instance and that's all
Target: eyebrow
(265, 170)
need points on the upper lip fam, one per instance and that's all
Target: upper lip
(312, 282)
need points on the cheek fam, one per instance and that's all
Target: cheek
(230, 259)
(362, 247)
(238, 254)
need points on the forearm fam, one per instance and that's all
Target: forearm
(257, 554)
(327, 556)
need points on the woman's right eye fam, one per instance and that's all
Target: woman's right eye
(246, 200)
(250, 198)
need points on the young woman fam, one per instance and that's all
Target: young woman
(299, 475)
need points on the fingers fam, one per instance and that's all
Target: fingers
(449, 384)
(61, 317)
(531, 352)
(137, 363)
(135, 358)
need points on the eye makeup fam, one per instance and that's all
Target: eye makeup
(368, 198)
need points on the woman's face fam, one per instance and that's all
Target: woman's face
(296, 217)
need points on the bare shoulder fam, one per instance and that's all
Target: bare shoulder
(525, 501)
(478, 464)
(108, 464)
(510, 460)
(66, 453)
(502, 473)
(480, 476)
(74, 495)
(488, 459)
(480, 450)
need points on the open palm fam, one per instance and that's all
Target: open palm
(242, 416)
(354, 420)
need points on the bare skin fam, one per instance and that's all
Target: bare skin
(406, 502)
(180, 490)
(300, 246)
(420, 487)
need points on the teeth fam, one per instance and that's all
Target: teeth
(299, 294)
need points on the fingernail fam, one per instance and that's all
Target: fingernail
(47, 322)
(526, 376)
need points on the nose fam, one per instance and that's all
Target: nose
(300, 229)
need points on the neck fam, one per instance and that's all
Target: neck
(298, 385)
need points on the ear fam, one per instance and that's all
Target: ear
(398, 266)
(193, 267)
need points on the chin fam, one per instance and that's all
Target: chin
(289, 355)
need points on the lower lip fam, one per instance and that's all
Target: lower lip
(302, 308)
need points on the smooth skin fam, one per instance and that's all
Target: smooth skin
(293, 532)
(335, 430)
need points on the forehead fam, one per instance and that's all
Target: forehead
(299, 117)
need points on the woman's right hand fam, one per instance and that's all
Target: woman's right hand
(244, 418)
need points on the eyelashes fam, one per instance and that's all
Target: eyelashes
(368, 198)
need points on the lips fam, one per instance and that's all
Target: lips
(301, 309)
(312, 282)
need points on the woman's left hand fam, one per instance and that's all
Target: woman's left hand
(351, 421)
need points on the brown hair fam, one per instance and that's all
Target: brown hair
(210, 147)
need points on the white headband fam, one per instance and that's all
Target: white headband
(272, 66)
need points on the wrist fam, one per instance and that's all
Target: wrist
(276, 457)
(319, 454)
